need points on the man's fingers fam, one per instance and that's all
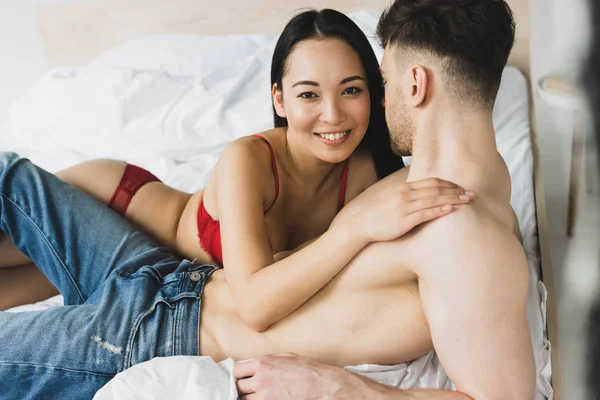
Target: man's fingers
(245, 369)
(246, 386)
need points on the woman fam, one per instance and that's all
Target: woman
(272, 192)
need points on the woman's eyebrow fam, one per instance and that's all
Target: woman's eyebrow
(352, 78)
(310, 83)
(345, 80)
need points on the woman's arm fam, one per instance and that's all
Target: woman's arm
(283, 254)
(264, 296)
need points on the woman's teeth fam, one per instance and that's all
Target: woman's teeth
(333, 135)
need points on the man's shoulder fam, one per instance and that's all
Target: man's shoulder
(475, 219)
(464, 219)
(468, 234)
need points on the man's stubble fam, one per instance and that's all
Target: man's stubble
(400, 126)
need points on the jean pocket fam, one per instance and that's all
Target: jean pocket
(151, 334)
(169, 328)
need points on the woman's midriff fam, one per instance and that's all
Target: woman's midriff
(188, 244)
(351, 321)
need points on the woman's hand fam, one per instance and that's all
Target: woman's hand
(395, 208)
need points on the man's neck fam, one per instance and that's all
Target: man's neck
(459, 147)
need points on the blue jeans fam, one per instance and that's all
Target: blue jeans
(127, 300)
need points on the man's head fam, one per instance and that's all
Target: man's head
(434, 49)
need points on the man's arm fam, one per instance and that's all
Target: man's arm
(473, 288)
(293, 377)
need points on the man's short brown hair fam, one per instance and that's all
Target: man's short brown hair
(472, 38)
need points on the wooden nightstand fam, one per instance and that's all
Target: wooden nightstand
(562, 92)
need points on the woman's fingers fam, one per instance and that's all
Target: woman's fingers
(436, 191)
(432, 182)
(437, 201)
(429, 214)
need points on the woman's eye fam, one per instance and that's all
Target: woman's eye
(308, 95)
(353, 90)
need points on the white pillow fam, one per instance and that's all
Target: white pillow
(116, 111)
(173, 95)
(68, 107)
(181, 54)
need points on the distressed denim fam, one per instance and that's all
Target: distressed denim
(127, 300)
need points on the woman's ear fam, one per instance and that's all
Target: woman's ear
(278, 101)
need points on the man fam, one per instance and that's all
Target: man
(442, 66)
(458, 285)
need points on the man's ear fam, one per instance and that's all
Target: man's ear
(420, 85)
(278, 101)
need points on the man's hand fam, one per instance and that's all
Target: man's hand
(292, 377)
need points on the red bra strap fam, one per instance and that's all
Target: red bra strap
(274, 167)
(342, 198)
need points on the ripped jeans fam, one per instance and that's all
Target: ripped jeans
(127, 300)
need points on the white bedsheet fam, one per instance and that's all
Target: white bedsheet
(200, 378)
(196, 110)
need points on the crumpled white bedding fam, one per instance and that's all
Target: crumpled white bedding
(201, 378)
(170, 111)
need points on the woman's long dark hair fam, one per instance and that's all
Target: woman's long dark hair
(328, 23)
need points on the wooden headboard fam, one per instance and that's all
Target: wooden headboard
(75, 33)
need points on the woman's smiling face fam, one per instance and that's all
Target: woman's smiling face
(325, 98)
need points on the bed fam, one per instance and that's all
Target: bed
(168, 87)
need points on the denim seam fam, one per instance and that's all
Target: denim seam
(128, 350)
(178, 312)
(174, 338)
(199, 311)
(42, 233)
(74, 371)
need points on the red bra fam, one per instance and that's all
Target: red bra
(209, 230)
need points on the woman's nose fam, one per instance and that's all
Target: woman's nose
(332, 112)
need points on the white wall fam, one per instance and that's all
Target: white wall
(22, 58)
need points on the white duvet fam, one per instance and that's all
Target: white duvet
(170, 104)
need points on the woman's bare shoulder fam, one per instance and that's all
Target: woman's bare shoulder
(246, 156)
(361, 173)
(253, 146)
